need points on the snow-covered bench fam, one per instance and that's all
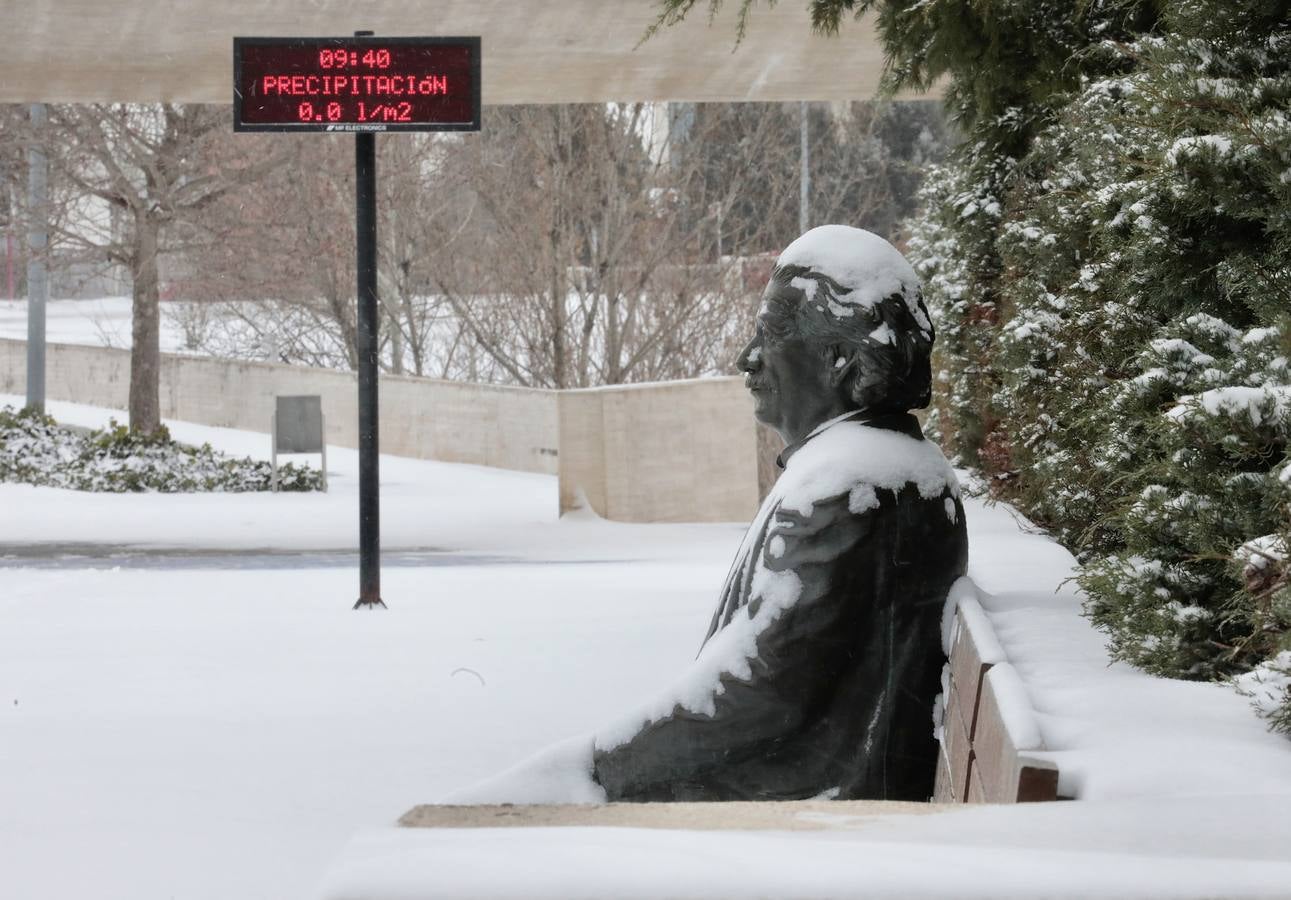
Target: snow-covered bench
(989, 734)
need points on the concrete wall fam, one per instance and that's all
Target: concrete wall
(680, 451)
(509, 428)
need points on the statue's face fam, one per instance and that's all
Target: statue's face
(791, 382)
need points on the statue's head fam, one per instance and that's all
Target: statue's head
(842, 327)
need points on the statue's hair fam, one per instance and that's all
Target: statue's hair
(885, 377)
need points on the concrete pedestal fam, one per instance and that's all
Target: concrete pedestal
(800, 815)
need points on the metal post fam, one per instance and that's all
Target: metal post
(323, 427)
(37, 241)
(273, 452)
(365, 220)
(804, 178)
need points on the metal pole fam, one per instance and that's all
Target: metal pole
(37, 241)
(8, 258)
(365, 220)
(804, 178)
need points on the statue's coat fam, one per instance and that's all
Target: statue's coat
(838, 698)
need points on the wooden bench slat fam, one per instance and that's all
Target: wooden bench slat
(1037, 781)
(975, 792)
(957, 744)
(1007, 771)
(974, 650)
(989, 732)
(942, 791)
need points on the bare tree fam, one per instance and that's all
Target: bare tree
(586, 260)
(279, 270)
(563, 246)
(279, 283)
(151, 169)
(12, 203)
(421, 330)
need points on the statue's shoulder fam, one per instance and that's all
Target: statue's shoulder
(857, 458)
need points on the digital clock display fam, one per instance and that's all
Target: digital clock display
(356, 84)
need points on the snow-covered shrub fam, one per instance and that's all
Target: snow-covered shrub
(1001, 97)
(1195, 589)
(1073, 317)
(34, 449)
(1129, 389)
(1143, 357)
(952, 247)
(1268, 686)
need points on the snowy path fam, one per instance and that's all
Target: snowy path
(1117, 732)
(424, 506)
(180, 721)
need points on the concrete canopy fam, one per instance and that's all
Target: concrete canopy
(535, 51)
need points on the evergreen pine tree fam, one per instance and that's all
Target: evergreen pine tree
(1112, 289)
(1006, 68)
(1144, 364)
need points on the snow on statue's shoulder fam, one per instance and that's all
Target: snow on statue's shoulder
(857, 259)
(858, 459)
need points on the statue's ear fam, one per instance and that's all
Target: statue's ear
(842, 364)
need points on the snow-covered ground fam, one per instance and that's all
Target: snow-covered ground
(101, 322)
(190, 708)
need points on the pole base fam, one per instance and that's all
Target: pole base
(369, 604)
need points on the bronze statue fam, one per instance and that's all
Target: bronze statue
(821, 666)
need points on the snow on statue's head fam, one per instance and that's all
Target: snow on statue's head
(861, 307)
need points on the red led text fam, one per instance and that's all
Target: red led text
(354, 85)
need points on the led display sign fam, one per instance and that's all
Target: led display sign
(356, 84)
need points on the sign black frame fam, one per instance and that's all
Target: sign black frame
(366, 342)
(358, 127)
